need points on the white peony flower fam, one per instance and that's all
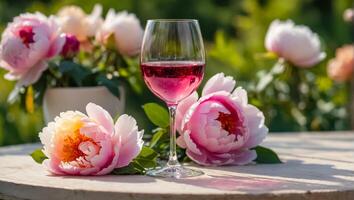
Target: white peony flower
(126, 29)
(73, 20)
(297, 44)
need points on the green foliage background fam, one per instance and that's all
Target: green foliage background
(234, 32)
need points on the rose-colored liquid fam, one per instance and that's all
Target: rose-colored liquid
(173, 81)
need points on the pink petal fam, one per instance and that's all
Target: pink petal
(101, 116)
(190, 143)
(130, 150)
(182, 109)
(256, 127)
(52, 165)
(312, 61)
(113, 164)
(241, 95)
(14, 54)
(56, 46)
(181, 143)
(70, 169)
(33, 74)
(124, 127)
(46, 136)
(11, 77)
(199, 159)
(219, 83)
(132, 142)
(105, 155)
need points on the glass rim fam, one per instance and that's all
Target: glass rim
(172, 20)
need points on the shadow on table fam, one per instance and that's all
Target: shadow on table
(24, 149)
(112, 178)
(292, 175)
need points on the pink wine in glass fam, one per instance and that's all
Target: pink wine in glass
(173, 81)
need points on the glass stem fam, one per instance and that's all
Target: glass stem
(172, 161)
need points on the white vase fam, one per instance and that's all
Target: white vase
(57, 100)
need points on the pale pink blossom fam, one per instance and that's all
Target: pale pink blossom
(73, 20)
(26, 44)
(79, 144)
(295, 43)
(341, 68)
(348, 15)
(221, 127)
(126, 31)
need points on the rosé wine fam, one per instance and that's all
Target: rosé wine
(173, 81)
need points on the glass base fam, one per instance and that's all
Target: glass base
(174, 172)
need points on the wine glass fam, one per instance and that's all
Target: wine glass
(172, 62)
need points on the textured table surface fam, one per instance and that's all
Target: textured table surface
(316, 166)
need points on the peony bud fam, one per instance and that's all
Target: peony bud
(71, 46)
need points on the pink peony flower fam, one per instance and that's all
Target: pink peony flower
(79, 144)
(297, 44)
(71, 46)
(26, 44)
(126, 31)
(341, 68)
(220, 128)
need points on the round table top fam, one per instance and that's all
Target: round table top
(316, 166)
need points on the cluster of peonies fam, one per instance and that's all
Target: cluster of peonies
(122, 27)
(221, 127)
(31, 39)
(79, 144)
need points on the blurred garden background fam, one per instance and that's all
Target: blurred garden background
(234, 32)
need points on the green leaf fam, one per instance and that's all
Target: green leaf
(75, 71)
(132, 169)
(111, 84)
(147, 157)
(266, 156)
(157, 114)
(147, 153)
(144, 161)
(40, 87)
(38, 156)
(157, 136)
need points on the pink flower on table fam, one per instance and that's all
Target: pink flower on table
(79, 144)
(220, 128)
(125, 30)
(26, 44)
(341, 68)
(297, 44)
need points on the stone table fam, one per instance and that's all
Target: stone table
(316, 166)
